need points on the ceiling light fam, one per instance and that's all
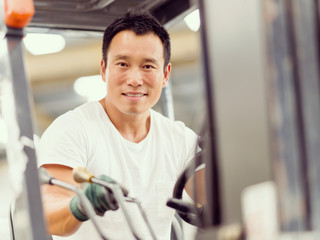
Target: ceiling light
(193, 20)
(90, 87)
(39, 44)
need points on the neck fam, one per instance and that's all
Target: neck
(133, 127)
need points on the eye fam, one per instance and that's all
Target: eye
(148, 67)
(122, 64)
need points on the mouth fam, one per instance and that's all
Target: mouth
(134, 94)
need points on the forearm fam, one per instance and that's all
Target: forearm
(64, 216)
(58, 217)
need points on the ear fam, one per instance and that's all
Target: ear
(103, 70)
(166, 77)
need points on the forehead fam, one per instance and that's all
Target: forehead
(128, 42)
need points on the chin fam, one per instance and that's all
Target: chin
(135, 112)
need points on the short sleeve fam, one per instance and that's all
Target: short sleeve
(64, 143)
(191, 141)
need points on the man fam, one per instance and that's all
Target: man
(120, 137)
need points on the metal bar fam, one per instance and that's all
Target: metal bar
(167, 101)
(74, 7)
(170, 10)
(286, 116)
(143, 214)
(29, 203)
(307, 44)
(210, 153)
(85, 203)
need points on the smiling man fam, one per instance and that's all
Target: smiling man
(121, 137)
(135, 74)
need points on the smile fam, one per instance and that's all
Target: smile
(134, 94)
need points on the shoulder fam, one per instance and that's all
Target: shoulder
(73, 121)
(66, 140)
(79, 115)
(84, 111)
(169, 126)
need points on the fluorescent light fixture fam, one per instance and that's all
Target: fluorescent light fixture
(193, 20)
(91, 87)
(38, 44)
(3, 132)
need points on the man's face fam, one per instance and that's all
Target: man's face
(134, 73)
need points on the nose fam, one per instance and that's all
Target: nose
(135, 78)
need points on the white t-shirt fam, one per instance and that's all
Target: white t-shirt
(86, 137)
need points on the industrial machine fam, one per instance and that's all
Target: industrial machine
(274, 43)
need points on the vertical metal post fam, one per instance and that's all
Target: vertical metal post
(305, 20)
(167, 101)
(213, 215)
(292, 34)
(285, 127)
(28, 212)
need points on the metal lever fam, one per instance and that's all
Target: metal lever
(120, 193)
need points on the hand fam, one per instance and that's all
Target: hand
(102, 200)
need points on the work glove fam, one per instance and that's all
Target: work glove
(101, 198)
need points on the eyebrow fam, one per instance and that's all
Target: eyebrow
(124, 57)
(118, 57)
(152, 60)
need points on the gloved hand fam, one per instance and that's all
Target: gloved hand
(102, 200)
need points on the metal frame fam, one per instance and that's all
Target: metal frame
(166, 100)
(94, 15)
(292, 32)
(210, 153)
(292, 40)
(28, 205)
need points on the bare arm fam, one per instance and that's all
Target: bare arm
(200, 186)
(56, 201)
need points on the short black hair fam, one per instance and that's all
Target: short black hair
(141, 23)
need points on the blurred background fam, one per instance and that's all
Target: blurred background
(59, 82)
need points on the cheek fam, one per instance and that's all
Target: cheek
(114, 78)
(154, 80)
